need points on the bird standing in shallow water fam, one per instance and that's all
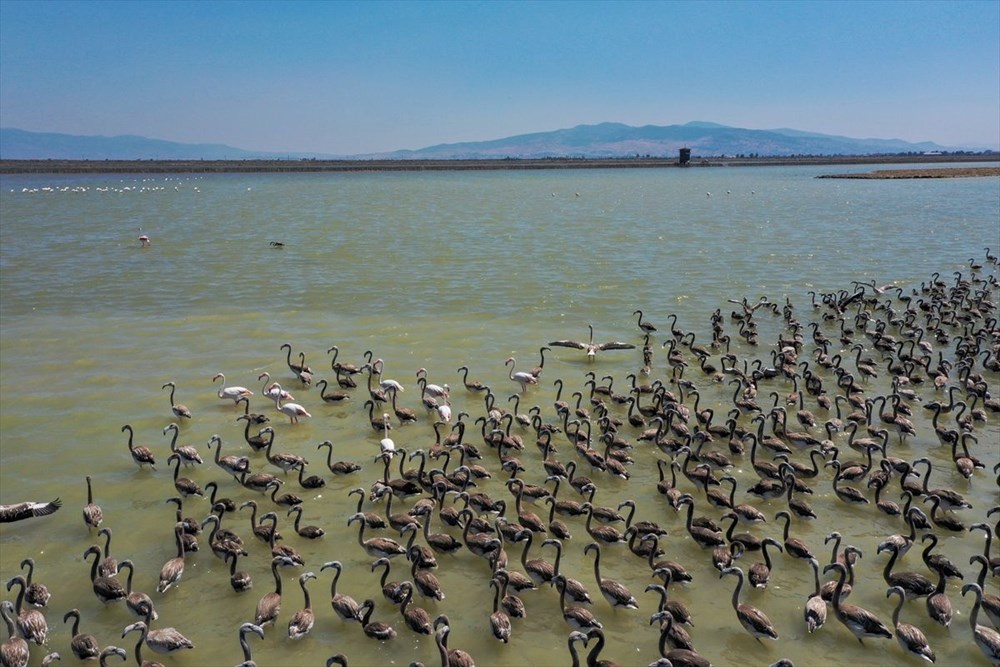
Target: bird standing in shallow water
(270, 604)
(614, 592)
(189, 454)
(909, 637)
(93, 515)
(245, 645)
(233, 393)
(578, 618)
(293, 410)
(164, 640)
(815, 609)
(14, 651)
(37, 593)
(987, 639)
(522, 378)
(302, 621)
(499, 620)
(375, 629)
(180, 410)
(646, 327)
(31, 623)
(752, 619)
(173, 569)
(140, 454)
(84, 646)
(861, 622)
(345, 606)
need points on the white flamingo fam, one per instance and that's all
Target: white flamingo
(377, 367)
(444, 411)
(293, 410)
(521, 377)
(386, 444)
(434, 390)
(269, 389)
(234, 393)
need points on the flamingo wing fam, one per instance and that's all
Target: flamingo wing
(615, 345)
(570, 343)
(28, 509)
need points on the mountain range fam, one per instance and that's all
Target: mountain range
(603, 140)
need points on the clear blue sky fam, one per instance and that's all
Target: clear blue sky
(357, 77)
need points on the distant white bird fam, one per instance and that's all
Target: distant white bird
(444, 411)
(143, 240)
(234, 393)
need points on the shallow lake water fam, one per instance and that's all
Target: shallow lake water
(436, 271)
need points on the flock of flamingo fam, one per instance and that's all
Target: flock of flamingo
(798, 404)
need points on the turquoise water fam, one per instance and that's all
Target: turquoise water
(435, 271)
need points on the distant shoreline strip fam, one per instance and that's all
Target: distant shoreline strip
(894, 174)
(308, 166)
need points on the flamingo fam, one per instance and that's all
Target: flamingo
(378, 366)
(592, 348)
(14, 651)
(144, 240)
(390, 385)
(234, 393)
(646, 327)
(179, 409)
(27, 510)
(234, 465)
(142, 455)
(293, 410)
(300, 367)
(189, 455)
(386, 445)
(435, 390)
(521, 377)
(164, 640)
(267, 389)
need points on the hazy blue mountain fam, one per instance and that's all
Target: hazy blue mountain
(593, 141)
(704, 139)
(23, 145)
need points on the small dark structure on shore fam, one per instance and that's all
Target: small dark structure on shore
(685, 156)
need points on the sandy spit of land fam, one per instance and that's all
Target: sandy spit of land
(888, 174)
